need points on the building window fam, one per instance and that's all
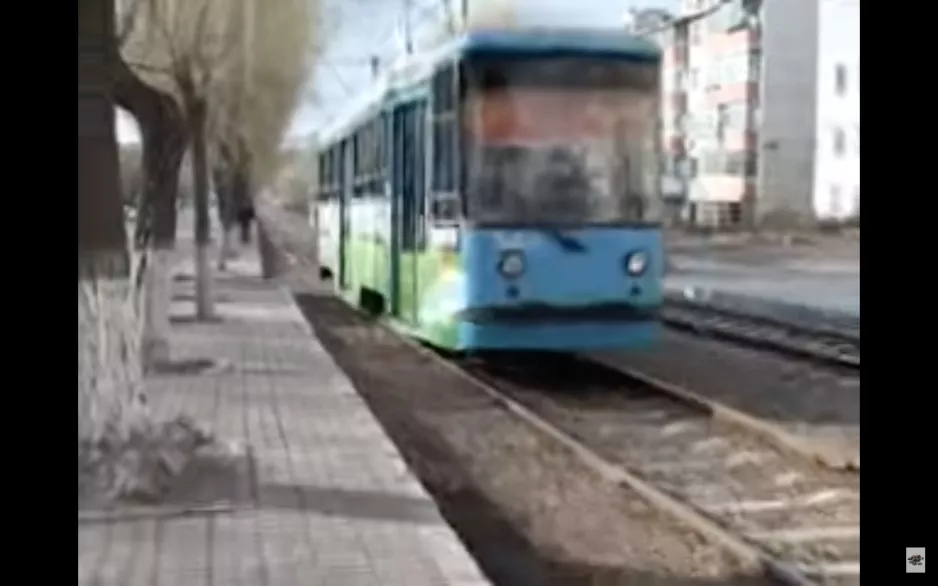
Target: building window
(731, 117)
(736, 69)
(736, 213)
(695, 32)
(681, 123)
(835, 200)
(690, 167)
(840, 79)
(734, 163)
(751, 164)
(840, 142)
(755, 66)
(722, 121)
(713, 76)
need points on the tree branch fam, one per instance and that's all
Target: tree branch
(149, 68)
(163, 27)
(128, 22)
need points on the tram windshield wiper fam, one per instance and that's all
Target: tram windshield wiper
(568, 243)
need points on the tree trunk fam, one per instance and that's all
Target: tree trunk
(109, 374)
(226, 213)
(196, 112)
(164, 142)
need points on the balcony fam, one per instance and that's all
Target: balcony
(747, 92)
(737, 41)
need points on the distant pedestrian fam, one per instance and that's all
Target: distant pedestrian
(245, 220)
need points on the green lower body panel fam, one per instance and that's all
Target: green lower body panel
(430, 290)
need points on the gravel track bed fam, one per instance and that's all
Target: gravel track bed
(740, 480)
(818, 405)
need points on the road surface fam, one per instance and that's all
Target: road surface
(817, 277)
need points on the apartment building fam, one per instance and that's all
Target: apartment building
(664, 28)
(750, 102)
(837, 147)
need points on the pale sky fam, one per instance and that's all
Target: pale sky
(356, 29)
(345, 66)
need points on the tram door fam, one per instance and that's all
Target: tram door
(408, 206)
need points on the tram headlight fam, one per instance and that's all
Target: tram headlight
(636, 263)
(511, 264)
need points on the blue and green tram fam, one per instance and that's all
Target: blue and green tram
(498, 193)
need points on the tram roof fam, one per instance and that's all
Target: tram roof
(508, 43)
(546, 42)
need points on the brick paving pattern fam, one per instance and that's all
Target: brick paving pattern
(333, 502)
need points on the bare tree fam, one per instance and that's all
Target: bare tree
(179, 46)
(254, 100)
(208, 54)
(107, 384)
(163, 134)
(112, 410)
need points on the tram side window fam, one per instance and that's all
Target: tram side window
(330, 168)
(330, 173)
(371, 166)
(325, 175)
(444, 198)
(357, 169)
(320, 176)
(381, 166)
(366, 164)
(380, 160)
(338, 169)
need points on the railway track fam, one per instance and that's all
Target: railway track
(819, 343)
(799, 521)
(796, 520)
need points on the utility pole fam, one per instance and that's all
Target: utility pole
(248, 42)
(408, 33)
(449, 16)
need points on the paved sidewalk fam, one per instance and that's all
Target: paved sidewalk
(333, 502)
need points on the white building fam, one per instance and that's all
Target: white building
(766, 110)
(837, 147)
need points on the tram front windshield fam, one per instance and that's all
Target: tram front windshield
(561, 141)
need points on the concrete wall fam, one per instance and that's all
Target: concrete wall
(837, 176)
(787, 111)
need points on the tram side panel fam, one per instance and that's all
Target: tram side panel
(368, 247)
